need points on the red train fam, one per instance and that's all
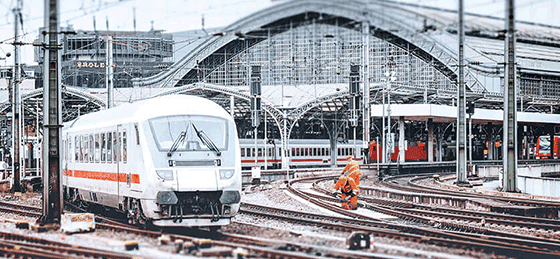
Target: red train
(544, 147)
(416, 151)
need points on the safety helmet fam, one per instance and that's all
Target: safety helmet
(348, 157)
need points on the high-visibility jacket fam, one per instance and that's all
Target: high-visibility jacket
(346, 185)
(353, 169)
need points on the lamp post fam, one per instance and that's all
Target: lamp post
(390, 77)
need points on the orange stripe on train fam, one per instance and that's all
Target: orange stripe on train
(103, 176)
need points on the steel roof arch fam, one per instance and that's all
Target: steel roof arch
(359, 11)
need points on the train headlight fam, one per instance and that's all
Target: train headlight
(166, 198)
(226, 173)
(165, 174)
(230, 197)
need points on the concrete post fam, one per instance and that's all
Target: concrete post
(52, 196)
(461, 109)
(510, 103)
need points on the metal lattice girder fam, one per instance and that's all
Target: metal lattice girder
(69, 97)
(423, 46)
(276, 114)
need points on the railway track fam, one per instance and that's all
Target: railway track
(255, 245)
(23, 246)
(510, 246)
(413, 203)
(412, 186)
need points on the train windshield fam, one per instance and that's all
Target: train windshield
(181, 133)
(544, 144)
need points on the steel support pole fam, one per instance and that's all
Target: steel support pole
(365, 104)
(470, 141)
(491, 141)
(52, 192)
(510, 99)
(391, 145)
(285, 156)
(431, 140)
(109, 71)
(383, 126)
(265, 139)
(461, 103)
(401, 140)
(16, 102)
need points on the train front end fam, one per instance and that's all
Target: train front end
(196, 169)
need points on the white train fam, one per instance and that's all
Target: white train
(171, 161)
(302, 153)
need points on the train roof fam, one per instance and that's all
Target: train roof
(179, 104)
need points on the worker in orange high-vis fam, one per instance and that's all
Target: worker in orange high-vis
(353, 169)
(349, 191)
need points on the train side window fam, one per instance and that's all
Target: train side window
(242, 152)
(103, 148)
(69, 150)
(91, 146)
(279, 151)
(339, 153)
(137, 134)
(114, 147)
(97, 151)
(76, 149)
(124, 142)
(86, 148)
(109, 147)
(293, 152)
(327, 151)
(82, 148)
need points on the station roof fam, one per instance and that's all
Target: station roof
(447, 114)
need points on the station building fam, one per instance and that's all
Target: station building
(136, 54)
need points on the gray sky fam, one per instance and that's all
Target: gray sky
(181, 15)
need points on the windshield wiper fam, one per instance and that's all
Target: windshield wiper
(175, 145)
(206, 140)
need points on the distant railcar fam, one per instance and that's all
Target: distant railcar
(302, 153)
(547, 149)
(416, 151)
(171, 161)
